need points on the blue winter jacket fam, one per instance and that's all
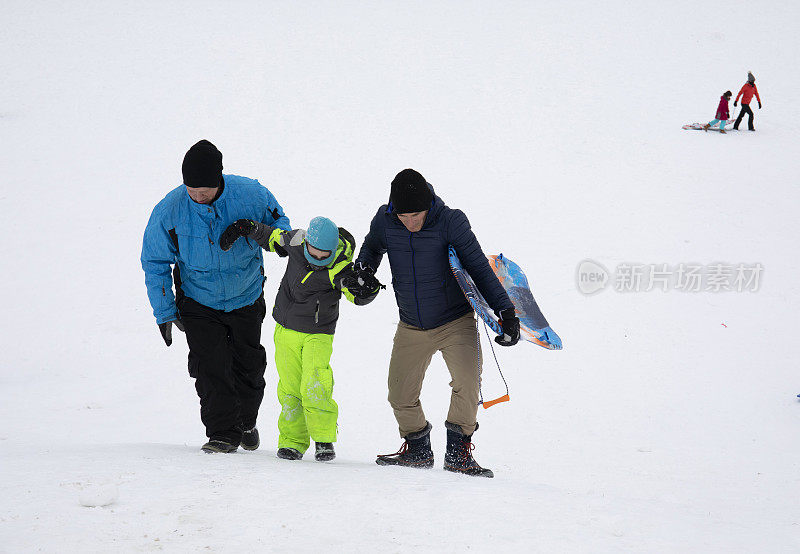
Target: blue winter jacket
(426, 291)
(187, 233)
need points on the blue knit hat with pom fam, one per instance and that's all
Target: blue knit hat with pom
(322, 234)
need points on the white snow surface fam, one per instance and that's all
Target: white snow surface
(555, 126)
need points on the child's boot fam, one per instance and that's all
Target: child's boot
(324, 452)
(289, 454)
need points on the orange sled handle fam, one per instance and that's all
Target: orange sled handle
(489, 403)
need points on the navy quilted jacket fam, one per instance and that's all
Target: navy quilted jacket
(426, 291)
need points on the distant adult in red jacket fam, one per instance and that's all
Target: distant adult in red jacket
(722, 112)
(748, 90)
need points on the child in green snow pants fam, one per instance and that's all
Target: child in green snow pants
(318, 273)
(305, 388)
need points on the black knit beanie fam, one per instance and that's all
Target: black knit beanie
(410, 193)
(202, 166)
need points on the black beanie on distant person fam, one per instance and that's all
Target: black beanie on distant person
(202, 166)
(410, 193)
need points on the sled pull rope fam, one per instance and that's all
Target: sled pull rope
(505, 398)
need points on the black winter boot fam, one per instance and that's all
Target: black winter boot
(458, 457)
(216, 446)
(415, 452)
(324, 452)
(250, 440)
(289, 454)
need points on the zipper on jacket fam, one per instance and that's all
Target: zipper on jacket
(414, 277)
(316, 313)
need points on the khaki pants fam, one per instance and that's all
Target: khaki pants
(413, 350)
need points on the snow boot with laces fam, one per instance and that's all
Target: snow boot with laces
(458, 457)
(415, 452)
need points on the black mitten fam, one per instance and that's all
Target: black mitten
(239, 228)
(166, 329)
(361, 281)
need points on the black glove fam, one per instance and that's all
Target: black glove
(166, 329)
(361, 281)
(759, 105)
(239, 228)
(280, 251)
(734, 104)
(510, 324)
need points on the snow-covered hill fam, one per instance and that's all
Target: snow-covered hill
(669, 421)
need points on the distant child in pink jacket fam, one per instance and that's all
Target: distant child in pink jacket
(722, 113)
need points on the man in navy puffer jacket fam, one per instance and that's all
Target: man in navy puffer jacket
(415, 229)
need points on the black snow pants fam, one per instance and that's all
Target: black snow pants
(228, 363)
(745, 110)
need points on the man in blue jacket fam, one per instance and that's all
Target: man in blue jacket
(218, 300)
(415, 230)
